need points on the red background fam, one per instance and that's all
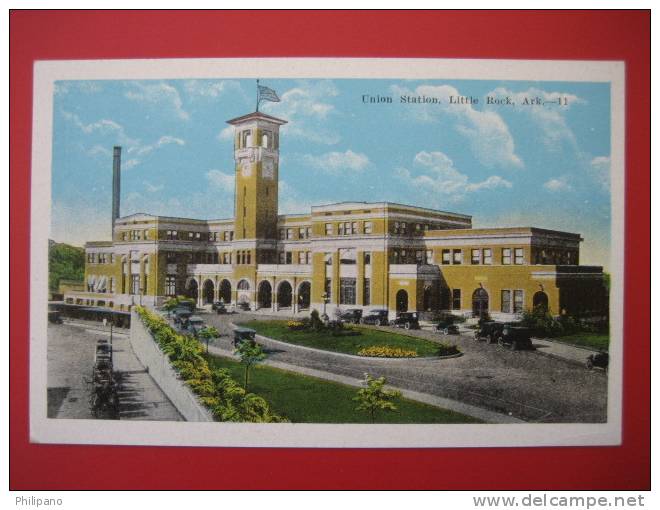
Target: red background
(601, 35)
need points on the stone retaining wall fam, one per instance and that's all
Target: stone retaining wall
(158, 365)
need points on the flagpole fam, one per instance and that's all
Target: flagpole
(257, 94)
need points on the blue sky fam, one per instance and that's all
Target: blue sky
(544, 166)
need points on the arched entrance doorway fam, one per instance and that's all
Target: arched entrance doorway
(304, 295)
(402, 301)
(265, 295)
(225, 291)
(540, 300)
(192, 290)
(284, 295)
(208, 292)
(243, 292)
(480, 302)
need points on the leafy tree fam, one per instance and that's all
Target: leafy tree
(65, 262)
(170, 305)
(208, 333)
(250, 353)
(374, 397)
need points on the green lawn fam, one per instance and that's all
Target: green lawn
(592, 340)
(304, 399)
(347, 344)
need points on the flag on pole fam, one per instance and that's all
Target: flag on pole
(267, 94)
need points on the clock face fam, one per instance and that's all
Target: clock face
(268, 169)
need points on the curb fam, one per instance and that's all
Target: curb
(352, 356)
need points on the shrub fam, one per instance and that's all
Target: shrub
(375, 398)
(216, 389)
(383, 351)
(445, 349)
(542, 323)
(315, 321)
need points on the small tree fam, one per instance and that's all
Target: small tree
(170, 305)
(208, 333)
(315, 321)
(374, 397)
(250, 353)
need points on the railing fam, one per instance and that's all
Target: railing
(293, 269)
(209, 268)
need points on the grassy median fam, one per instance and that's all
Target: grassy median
(590, 340)
(304, 399)
(368, 337)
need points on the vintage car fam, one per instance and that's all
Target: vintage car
(406, 320)
(375, 317)
(352, 316)
(193, 324)
(598, 360)
(446, 327)
(489, 331)
(181, 314)
(515, 337)
(219, 307)
(243, 335)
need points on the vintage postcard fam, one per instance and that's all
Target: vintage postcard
(327, 252)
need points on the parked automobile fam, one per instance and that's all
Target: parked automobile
(352, 316)
(598, 360)
(245, 306)
(55, 317)
(181, 314)
(243, 335)
(516, 337)
(375, 317)
(219, 307)
(446, 328)
(489, 331)
(406, 320)
(193, 324)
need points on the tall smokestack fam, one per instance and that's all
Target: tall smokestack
(116, 184)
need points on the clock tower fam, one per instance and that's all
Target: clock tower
(256, 153)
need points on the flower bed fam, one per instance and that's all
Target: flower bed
(445, 349)
(216, 389)
(387, 352)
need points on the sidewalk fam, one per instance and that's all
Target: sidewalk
(570, 353)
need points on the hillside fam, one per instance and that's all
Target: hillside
(64, 262)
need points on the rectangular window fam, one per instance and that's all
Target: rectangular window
(419, 257)
(280, 257)
(367, 258)
(146, 234)
(308, 232)
(458, 256)
(340, 229)
(308, 257)
(328, 289)
(135, 284)
(506, 256)
(446, 257)
(347, 256)
(289, 233)
(488, 256)
(368, 227)
(506, 301)
(517, 301)
(191, 236)
(429, 256)
(519, 256)
(288, 257)
(418, 227)
(347, 291)
(456, 299)
(354, 227)
(397, 227)
(476, 256)
(404, 226)
(302, 233)
(249, 257)
(170, 285)
(328, 229)
(301, 257)
(367, 292)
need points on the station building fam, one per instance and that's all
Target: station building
(369, 255)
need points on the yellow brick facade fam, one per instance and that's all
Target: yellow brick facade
(370, 255)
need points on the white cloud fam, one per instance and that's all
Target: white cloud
(106, 127)
(443, 178)
(599, 168)
(226, 134)
(221, 180)
(152, 188)
(558, 184)
(549, 117)
(299, 105)
(488, 135)
(86, 87)
(337, 162)
(128, 164)
(158, 93)
(99, 150)
(210, 88)
(162, 141)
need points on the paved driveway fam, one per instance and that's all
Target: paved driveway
(524, 384)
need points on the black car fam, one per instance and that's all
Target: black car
(375, 317)
(489, 331)
(406, 320)
(446, 328)
(219, 307)
(516, 337)
(598, 360)
(352, 316)
(181, 314)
